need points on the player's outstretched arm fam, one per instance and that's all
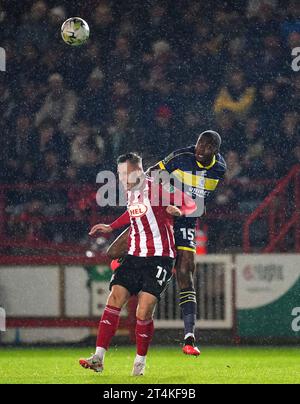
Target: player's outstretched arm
(119, 247)
(101, 228)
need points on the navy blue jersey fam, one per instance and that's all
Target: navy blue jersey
(199, 181)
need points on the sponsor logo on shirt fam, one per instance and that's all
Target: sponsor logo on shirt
(137, 210)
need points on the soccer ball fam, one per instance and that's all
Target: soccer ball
(75, 31)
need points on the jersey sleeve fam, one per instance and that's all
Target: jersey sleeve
(123, 220)
(173, 161)
(223, 168)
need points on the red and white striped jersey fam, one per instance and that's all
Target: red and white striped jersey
(151, 227)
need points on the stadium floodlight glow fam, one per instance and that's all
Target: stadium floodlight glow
(2, 60)
(90, 254)
(2, 320)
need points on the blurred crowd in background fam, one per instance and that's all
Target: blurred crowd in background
(153, 75)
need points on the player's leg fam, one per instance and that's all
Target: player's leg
(144, 330)
(123, 284)
(107, 327)
(156, 274)
(185, 268)
(119, 247)
(109, 323)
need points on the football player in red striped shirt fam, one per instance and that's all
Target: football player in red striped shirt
(147, 269)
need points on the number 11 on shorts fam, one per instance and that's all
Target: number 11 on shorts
(161, 271)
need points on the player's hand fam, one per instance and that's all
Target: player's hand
(102, 228)
(174, 211)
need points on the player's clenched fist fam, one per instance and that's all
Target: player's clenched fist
(102, 228)
(174, 211)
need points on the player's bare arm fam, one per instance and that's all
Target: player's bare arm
(101, 228)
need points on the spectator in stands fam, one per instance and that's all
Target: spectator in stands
(287, 139)
(253, 140)
(161, 64)
(48, 138)
(291, 23)
(236, 48)
(229, 195)
(163, 139)
(122, 62)
(7, 103)
(271, 58)
(294, 94)
(190, 129)
(60, 105)
(232, 134)
(294, 40)
(269, 106)
(234, 167)
(21, 144)
(51, 63)
(28, 173)
(35, 27)
(31, 70)
(256, 8)
(29, 100)
(272, 167)
(199, 98)
(237, 97)
(120, 136)
(103, 26)
(93, 107)
(157, 25)
(122, 96)
(296, 155)
(49, 169)
(87, 173)
(82, 144)
(57, 15)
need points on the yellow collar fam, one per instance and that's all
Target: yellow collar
(208, 167)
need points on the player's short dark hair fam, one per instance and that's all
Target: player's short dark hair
(133, 158)
(213, 137)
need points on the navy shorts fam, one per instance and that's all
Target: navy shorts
(185, 233)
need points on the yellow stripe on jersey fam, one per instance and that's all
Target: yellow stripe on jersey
(211, 184)
(161, 165)
(187, 249)
(208, 167)
(196, 181)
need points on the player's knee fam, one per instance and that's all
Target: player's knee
(115, 299)
(144, 313)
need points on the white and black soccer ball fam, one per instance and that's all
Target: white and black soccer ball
(75, 31)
